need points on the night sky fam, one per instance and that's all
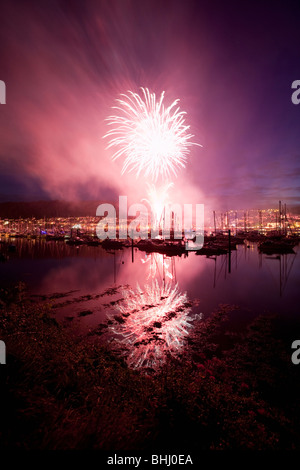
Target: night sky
(231, 64)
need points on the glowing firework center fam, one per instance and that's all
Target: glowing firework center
(152, 140)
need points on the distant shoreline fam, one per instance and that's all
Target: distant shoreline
(60, 208)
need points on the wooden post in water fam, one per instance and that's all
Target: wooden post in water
(285, 221)
(215, 222)
(132, 252)
(115, 266)
(280, 217)
(229, 252)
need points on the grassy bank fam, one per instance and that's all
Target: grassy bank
(228, 391)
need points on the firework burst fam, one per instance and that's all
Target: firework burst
(153, 139)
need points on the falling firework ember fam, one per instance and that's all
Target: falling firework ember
(152, 324)
(152, 138)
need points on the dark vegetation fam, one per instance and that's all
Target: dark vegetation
(230, 390)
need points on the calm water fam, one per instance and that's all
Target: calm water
(159, 297)
(256, 282)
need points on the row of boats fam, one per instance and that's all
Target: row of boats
(214, 244)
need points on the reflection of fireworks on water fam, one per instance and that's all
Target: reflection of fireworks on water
(153, 139)
(153, 323)
(159, 265)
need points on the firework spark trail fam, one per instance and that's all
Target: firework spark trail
(157, 199)
(152, 138)
(156, 322)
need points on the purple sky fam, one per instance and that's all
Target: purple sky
(231, 64)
